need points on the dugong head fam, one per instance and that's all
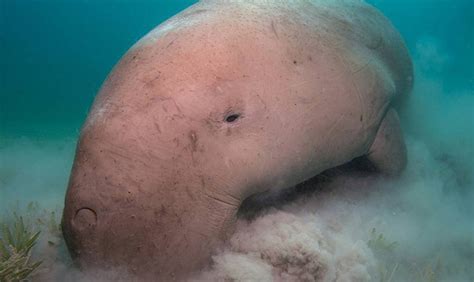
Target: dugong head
(206, 110)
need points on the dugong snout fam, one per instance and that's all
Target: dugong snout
(120, 215)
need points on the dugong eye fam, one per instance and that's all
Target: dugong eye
(232, 118)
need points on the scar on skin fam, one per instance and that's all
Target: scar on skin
(203, 181)
(157, 126)
(274, 30)
(194, 139)
(196, 12)
(377, 44)
(163, 210)
(151, 82)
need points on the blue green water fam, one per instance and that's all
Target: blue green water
(54, 55)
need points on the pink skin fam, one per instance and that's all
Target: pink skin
(217, 104)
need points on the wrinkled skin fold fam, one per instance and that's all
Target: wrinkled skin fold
(225, 100)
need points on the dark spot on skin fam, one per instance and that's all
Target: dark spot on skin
(361, 118)
(176, 142)
(310, 58)
(163, 210)
(211, 124)
(295, 62)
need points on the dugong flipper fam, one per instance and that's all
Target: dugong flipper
(388, 151)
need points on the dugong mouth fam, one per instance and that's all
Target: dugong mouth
(258, 203)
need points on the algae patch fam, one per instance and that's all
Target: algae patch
(16, 244)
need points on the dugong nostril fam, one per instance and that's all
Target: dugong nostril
(85, 219)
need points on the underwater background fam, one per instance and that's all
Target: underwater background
(54, 55)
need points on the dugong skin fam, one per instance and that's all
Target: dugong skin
(222, 101)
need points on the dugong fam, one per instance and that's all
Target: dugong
(225, 100)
